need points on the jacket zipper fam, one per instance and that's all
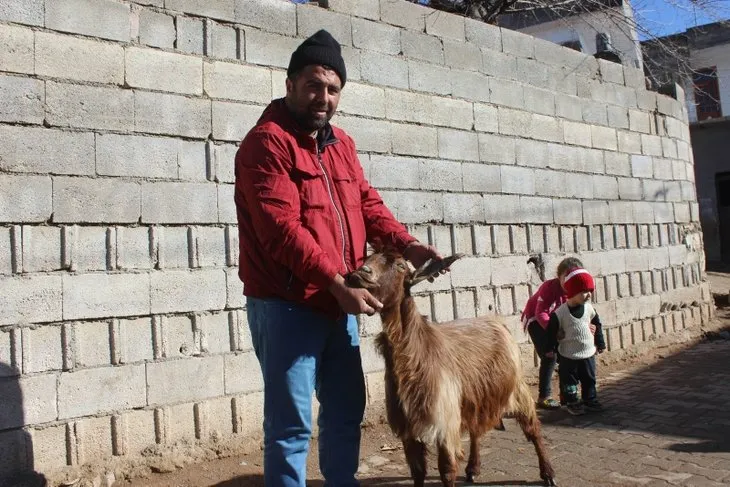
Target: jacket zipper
(334, 205)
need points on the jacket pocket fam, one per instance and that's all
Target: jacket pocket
(349, 191)
(311, 184)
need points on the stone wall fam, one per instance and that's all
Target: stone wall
(122, 323)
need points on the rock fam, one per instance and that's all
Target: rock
(377, 461)
(164, 465)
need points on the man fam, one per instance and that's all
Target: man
(305, 214)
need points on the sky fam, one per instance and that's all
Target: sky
(664, 17)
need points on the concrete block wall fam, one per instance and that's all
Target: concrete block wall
(123, 323)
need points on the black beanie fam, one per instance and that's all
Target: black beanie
(320, 48)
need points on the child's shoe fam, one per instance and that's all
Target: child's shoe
(576, 408)
(548, 403)
(594, 406)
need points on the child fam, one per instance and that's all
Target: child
(569, 329)
(535, 318)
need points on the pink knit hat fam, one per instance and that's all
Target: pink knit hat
(578, 281)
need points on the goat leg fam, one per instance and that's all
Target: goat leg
(530, 425)
(474, 466)
(447, 466)
(416, 457)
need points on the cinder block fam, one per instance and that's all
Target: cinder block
(91, 342)
(374, 36)
(642, 166)
(23, 99)
(663, 169)
(384, 70)
(99, 390)
(461, 55)
(395, 172)
(439, 175)
(180, 291)
(482, 240)
(452, 113)
(404, 14)
(507, 93)
(270, 49)
(605, 187)
(89, 106)
(374, 135)
(517, 180)
(151, 69)
(533, 153)
(16, 47)
(470, 85)
(40, 150)
(569, 107)
(651, 145)
(232, 121)
(361, 99)
(135, 340)
(577, 133)
(501, 208)
(538, 100)
(463, 208)
(62, 56)
(104, 18)
(222, 9)
(49, 448)
(31, 299)
(630, 189)
(190, 379)
(458, 144)
(594, 112)
(509, 271)
(193, 164)
(498, 149)
(621, 211)
(369, 9)
(413, 140)
(8, 245)
(97, 295)
(536, 210)
(160, 113)
(156, 29)
(417, 207)
(135, 432)
(242, 373)
(248, 413)
(505, 301)
(175, 424)
(481, 178)
(222, 41)
(604, 137)
(517, 43)
(596, 212)
(443, 307)
(95, 200)
(483, 35)
(29, 13)
(486, 119)
(629, 142)
(513, 122)
(311, 18)
(410, 107)
(270, 15)
(237, 82)
(568, 212)
(214, 331)
(428, 77)
(133, 248)
(420, 46)
(41, 249)
(209, 246)
(137, 156)
(42, 349)
(464, 304)
(226, 206)
(547, 128)
(179, 337)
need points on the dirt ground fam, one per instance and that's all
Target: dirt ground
(666, 424)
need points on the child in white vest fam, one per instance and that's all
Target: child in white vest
(569, 332)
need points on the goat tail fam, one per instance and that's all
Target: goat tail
(521, 403)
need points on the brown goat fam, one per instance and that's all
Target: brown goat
(446, 379)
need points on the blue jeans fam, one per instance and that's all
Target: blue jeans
(538, 335)
(300, 352)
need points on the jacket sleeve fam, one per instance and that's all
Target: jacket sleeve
(379, 221)
(598, 339)
(262, 175)
(543, 303)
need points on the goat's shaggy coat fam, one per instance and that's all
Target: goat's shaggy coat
(446, 379)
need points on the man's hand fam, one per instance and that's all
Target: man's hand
(592, 327)
(601, 350)
(354, 300)
(419, 253)
(549, 354)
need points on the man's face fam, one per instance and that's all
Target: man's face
(313, 95)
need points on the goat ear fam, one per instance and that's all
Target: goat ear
(432, 269)
(377, 245)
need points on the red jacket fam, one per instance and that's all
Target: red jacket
(305, 211)
(546, 299)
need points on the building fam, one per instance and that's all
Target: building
(595, 28)
(699, 61)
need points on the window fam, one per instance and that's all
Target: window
(707, 94)
(573, 45)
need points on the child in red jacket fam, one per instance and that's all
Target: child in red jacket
(536, 317)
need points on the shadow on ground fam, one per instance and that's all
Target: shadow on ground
(258, 481)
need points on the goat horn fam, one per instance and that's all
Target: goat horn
(432, 268)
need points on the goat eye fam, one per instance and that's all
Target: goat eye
(401, 266)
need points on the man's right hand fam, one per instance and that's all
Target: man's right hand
(354, 300)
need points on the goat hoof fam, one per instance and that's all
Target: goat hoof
(469, 478)
(550, 482)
